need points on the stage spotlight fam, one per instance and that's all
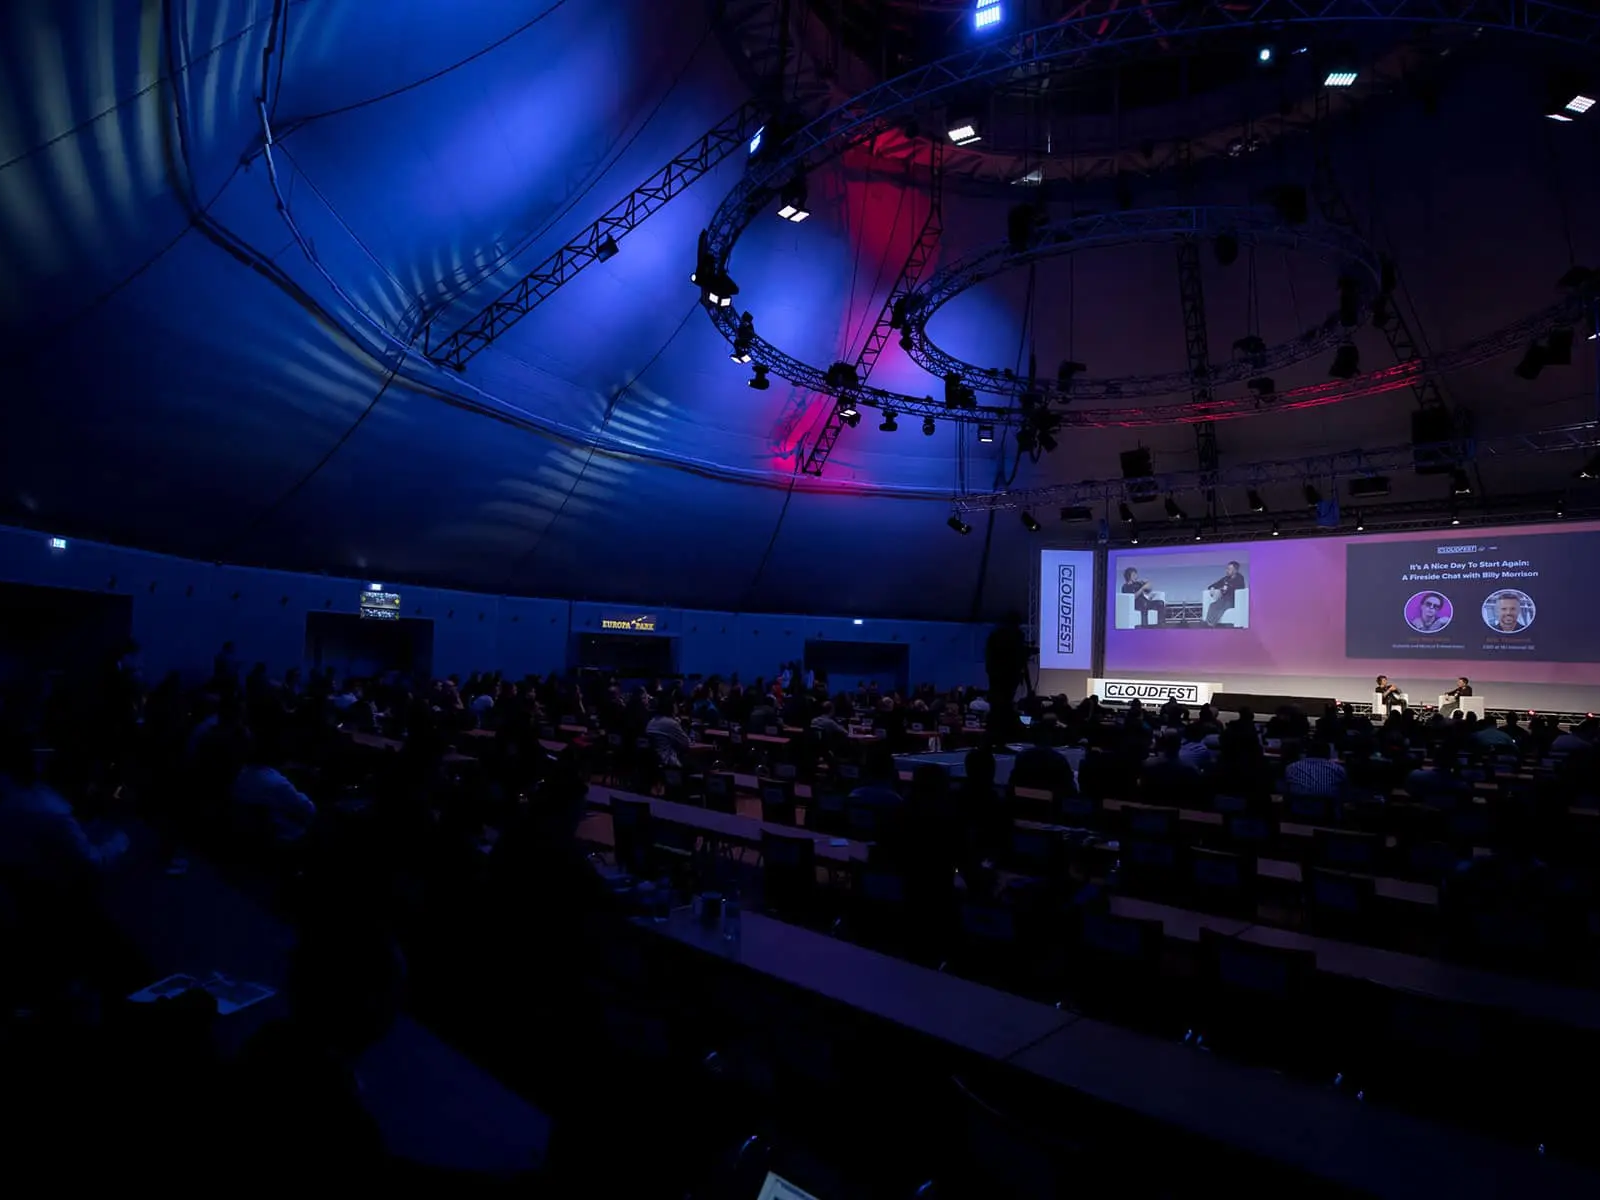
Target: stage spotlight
(1173, 511)
(1460, 485)
(1266, 55)
(1125, 513)
(1022, 226)
(1560, 509)
(1533, 361)
(1254, 500)
(606, 249)
(848, 409)
(758, 378)
(1568, 105)
(1275, 530)
(716, 289)
(889, 424)
(927, 426)
(792, 206)
(1030, 523)
(744, 339)
(1346, 362)
(1133, 537)
(1340, 77)
(1199, 534)
(1313, 497)
(1558, 347)
(1590, 469)
(1226, 248)
(963, 131)
(1349, 302)
(1290, 202)
(987, 15)
(1361, 522)
(986, 432)
(1455, 517)
(955, 522)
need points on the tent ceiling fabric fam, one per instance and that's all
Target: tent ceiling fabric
(188, 368)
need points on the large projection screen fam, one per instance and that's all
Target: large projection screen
(1510, 608)
(1066, 610)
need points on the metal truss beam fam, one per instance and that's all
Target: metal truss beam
(732, 134)
(1106, 36)
(1321, 467)
(1330, 200)
(1197, 345)
(917, 259)
(1400, 517)
(786, 64)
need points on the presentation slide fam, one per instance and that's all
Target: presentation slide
(1066, 609)
(1475, 599)
(1207, 589)
(1507, 604)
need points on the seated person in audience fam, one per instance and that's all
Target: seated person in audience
(1316, 772)
(1194, 753)
(40, 837)
(668, 738)
(1241, 736)
(1165, 778)
(1489, 736)
(265, 799)
(1579, 739)
(1439, 781)
(763, 716)
(1042, 768)
(983, 820)
(300, 1113)
(827, 724)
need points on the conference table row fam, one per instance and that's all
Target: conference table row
(1157, 1084)
(433, 1105)
(1538, 999)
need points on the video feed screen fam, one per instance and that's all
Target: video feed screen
(1207, 589)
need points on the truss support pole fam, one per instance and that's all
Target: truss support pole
(598, 242)
(1330, 201)
(1197, 348)
(917, 259)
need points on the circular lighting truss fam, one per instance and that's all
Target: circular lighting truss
(887, 106)
(1351, 257)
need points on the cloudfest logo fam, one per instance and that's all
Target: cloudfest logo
(1066, 609)
(1187, 693)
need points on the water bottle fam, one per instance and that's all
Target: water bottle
(730, 921)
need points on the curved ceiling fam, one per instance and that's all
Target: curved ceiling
(213, 350)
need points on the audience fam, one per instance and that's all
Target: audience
(413, 869)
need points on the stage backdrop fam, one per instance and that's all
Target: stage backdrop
(1511, 609)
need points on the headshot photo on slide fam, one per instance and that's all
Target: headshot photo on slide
(1507, 610)
(1429, 612)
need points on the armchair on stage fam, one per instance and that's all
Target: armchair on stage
(1239, 615)
(1128, 614)
(1468, 704)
